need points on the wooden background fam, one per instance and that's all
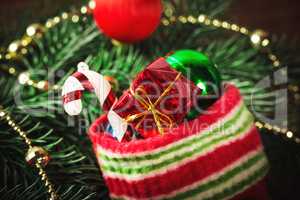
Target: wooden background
(276, 16)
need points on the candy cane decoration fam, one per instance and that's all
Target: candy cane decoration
(86, 80)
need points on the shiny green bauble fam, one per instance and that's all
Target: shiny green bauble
(202, 72)
(198, 68)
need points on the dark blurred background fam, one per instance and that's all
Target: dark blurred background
(276, 16)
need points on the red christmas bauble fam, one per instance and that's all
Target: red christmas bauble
(128, 20)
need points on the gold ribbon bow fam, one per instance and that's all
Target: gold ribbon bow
(150, 108)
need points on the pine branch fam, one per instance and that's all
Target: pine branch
(67, 160)
(35, 191)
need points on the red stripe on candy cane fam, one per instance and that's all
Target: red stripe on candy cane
(109, 101)
(72, 96)
(83, 80)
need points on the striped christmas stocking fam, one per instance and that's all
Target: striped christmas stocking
(218, 155)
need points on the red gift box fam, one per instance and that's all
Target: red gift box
(159, 97)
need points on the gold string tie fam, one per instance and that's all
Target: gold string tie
(150, 108)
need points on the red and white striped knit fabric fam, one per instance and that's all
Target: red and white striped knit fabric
(216, 156)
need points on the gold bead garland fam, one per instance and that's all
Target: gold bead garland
(258, 38)
(35, 155)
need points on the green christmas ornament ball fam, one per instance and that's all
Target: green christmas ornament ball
(202, 72)
(198, 68)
